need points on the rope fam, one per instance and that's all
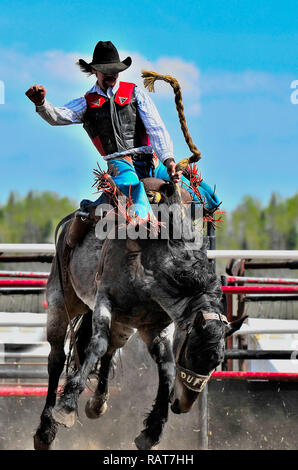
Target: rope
(149, 81)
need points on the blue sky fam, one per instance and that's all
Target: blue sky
(235, 61)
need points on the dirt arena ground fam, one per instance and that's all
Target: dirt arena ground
(133, 389)
(242, 416)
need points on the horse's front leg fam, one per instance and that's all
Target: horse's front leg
(97, 405)
(65, 411)
(159, 344)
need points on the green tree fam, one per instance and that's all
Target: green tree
(252, 226)
(33, 218)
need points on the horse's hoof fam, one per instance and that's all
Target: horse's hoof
(64, 417)
(143, 442)
(95, 410)
(40, 445)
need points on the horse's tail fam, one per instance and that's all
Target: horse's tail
(62, 273)
(149, 80)
(62, 222)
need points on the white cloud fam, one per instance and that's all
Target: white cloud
(57, 69)
(243, 82)
(186, 73)
(62, 65)
(18, 67)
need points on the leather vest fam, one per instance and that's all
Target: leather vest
(114, 124)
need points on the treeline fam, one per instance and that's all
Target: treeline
(251, 226)
(33, 219)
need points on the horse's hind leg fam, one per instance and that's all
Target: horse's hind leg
(159, 344)
(56, 330)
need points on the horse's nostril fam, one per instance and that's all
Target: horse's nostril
(175, 407)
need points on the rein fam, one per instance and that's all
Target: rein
(192, 380)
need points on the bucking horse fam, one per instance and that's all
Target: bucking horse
(118, 286)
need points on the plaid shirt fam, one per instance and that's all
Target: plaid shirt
(73, 113)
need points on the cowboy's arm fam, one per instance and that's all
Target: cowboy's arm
(157, 132)
(71, 113)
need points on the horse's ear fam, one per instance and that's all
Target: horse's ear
(235, 325)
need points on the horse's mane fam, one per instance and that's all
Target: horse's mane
(186, 274)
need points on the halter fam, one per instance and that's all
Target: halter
(192, 380)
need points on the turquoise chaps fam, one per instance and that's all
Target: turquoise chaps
(127, 175)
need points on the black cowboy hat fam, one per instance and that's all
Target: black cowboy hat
(105, 59)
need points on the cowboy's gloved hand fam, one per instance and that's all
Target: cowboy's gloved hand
(36, 94)
(171, 168)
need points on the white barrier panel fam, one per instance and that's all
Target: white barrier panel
(245, 330)
(254, 254)
(22, 319)
(48, 248)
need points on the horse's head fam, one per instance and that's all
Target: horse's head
(190, 292)
(198, 352)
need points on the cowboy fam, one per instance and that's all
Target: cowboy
(119, 117)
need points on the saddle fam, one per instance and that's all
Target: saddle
(155, 186)
(83, 221)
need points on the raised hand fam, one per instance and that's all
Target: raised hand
(36, 94)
